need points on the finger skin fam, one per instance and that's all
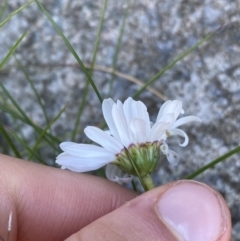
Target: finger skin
(51, 204)
(138, 220)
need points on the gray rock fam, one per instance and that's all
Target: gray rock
(207, 81)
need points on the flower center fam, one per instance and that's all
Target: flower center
(139, 159)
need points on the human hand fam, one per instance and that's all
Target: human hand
(51, 204)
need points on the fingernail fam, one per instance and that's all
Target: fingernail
(192, 211)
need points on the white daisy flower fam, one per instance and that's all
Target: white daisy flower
(131, 138)
(169, 112)
(115, 174)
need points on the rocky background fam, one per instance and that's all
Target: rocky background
(207, 81)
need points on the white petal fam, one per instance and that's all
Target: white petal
(115, 174)
(162, 109)
(172, 157)
(157, 132)
(121, 124)
(140, 112)
(151, 124)
(136, 109)
(107, 113)
(65, 144)
(174, 107)
(86, 150)
(185, 120)
(102, 138)
(164, 148)
(127, 108)
(180, 133)
(108, 132)
(170, 117)
(84, 164)
(139, 130)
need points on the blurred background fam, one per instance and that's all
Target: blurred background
(154, 33)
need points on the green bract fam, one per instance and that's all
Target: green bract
(143, 157)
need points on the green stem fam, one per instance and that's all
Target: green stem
(186, 53)
(213, 163)
(134, 186)
(118, 46)
(86, 89)
(148, 182)
(14, 13)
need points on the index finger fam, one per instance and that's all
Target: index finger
(50, 204)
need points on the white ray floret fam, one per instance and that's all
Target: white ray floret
(115, 174)
(129, 126)
(169, 112)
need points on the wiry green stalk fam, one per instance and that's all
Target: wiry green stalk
(118, 46)
(89, 78)
(81, 108)
(79, 113)
(15, 12)
(134, 187)
(22, 116)
(98, 36)
(14, 113)
(186, 53)
(43, 133)
(39, 101)
(213, 163)
(11, 51)
(9, 140)
(29, 150)
(3, 8)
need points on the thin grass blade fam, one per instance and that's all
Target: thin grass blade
(11, 51)
(26, 146)
(14, 102)
(118, 46)
(213, 163)
(9, 140)
(38, 98)
(186, 53)
(15, 12)
(29, 122)
(22, 116)
(79, 113)
(81, 108)
(71, 49)
(50, 139)
(3, 8)
(44, 131)
(98, 36)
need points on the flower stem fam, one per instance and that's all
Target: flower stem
(147, 182)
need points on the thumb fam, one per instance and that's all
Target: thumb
(182, 210)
